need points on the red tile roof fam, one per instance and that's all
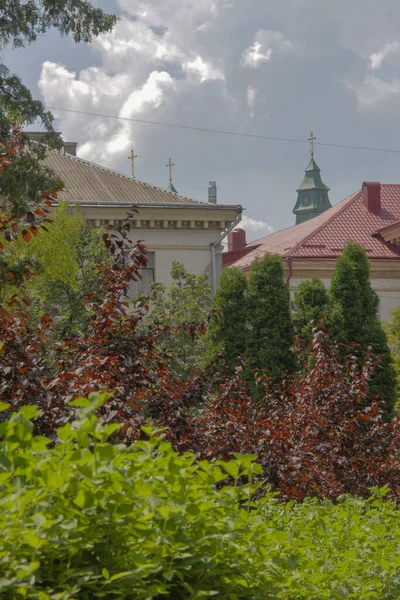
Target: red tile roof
(325, 236)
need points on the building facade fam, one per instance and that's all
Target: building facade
(370, 217)
(172, 226)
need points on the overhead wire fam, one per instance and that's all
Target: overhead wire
(238, 134)
(221, 131)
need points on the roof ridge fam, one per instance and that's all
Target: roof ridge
(346, 203)
(123, 176)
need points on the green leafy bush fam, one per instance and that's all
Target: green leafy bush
(84, 519)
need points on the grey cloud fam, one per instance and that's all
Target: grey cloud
(326, 84)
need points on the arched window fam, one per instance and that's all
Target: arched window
(306, 200)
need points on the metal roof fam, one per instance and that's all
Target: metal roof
(86, 182)
(312, 179)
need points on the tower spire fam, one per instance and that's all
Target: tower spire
(312, 194)
(132, 159)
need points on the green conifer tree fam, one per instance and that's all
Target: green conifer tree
(354, 321)
(309, 305)
(228, 334)
(270, 336)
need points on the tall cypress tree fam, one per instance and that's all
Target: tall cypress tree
(228, 334)
(354, 319)
(310, 303)
(270, 335)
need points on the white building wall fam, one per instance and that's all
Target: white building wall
(173, 233)
(191, 248)
(388, 290)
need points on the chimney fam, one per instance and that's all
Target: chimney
(212, 192)
(40, 137)
(237, 240)
(70, 148)
(371, 191)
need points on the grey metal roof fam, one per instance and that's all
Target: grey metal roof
(87, 182)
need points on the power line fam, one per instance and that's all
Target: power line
(221, 131)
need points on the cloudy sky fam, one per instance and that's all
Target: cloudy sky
(277, 68)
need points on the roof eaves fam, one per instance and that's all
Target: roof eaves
(196, 205)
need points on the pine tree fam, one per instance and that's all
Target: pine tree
(310, 304)
(270, 336)
(354, 321)
(228, 334)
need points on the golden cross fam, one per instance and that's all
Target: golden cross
(132, 159)
(311, 139)
(170, 165)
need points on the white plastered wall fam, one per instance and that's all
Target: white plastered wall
(387, 287)
(191, 248)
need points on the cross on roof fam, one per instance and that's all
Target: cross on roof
(311, 139)
(132, 159)
(170, 165)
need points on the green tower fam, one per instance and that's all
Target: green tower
(312, 194)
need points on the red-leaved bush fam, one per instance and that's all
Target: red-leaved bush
(317, 435)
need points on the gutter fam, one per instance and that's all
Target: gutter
(156, 205)
(290, 272)
(217, 243)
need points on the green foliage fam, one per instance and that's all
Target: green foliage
(64, 259)
(393, 336)
(186, 300)
(21, 183)
(228, 334)
(354, 318)
(84, 519)
(309, 305)
(20, 24)
(270, 337)
(352, 293)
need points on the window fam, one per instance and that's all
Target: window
(143, 285)
(322, 198)
(306, 200)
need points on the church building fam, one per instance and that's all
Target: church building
(370, 216)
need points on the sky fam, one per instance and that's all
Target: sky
(278, 68)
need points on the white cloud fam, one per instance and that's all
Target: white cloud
(265, 68)
(251, 99)
(204, 71)
(266, 44)
(149, 95)
(378, 58)
(255, 54)
(374, 90)
(254, 229)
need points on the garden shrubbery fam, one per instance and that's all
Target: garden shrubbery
(318, 432)
(84, 519)
(245, 490)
